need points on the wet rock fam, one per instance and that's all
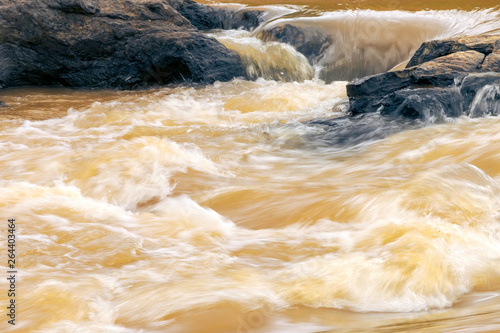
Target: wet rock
(474, 82)
(309, 41)
(418, 91)
(98, 43)
(380, 84)
(359, 129)
(486, 102)
(206, 17)
(438, 48)
(429, 105)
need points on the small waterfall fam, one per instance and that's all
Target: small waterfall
(486, 102)
(269, 60)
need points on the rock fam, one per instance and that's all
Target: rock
(472, 83)
(98, 43)
(366, 94)
(206, 17)
(443, 71)
(417, 92)
(309, 41)
(428, 104)
(491, 63)
(380, 84)
(438, 48)
(84, 7)
(486, 102)
(354, 130)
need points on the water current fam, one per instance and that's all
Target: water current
(233, 208)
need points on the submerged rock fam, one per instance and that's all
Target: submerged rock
(418, 90)
(98, 43)
(355, 130)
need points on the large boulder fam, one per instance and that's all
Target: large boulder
(99, 43)
(442, 80)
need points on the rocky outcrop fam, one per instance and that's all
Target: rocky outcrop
(445, 78)
(99, 43)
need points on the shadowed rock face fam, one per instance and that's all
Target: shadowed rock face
(98, 43)
(418, 90)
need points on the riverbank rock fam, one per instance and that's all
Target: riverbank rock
(445, 78)
(98, 43)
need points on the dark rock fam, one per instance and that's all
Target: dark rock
(366, 94)
(365, 104)
(380, 84)
(351, 131)
(438, 48)
(98, 43)
(206, 17)
(441, 72)
(309, 41)
(429, 105)
(84, 7)
(416, 92)
(473, 83)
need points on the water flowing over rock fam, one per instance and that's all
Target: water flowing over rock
(445, 78)
(207, 17)
(97, 43)
(308, 41)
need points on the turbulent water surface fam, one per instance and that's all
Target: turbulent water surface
(234, 208)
